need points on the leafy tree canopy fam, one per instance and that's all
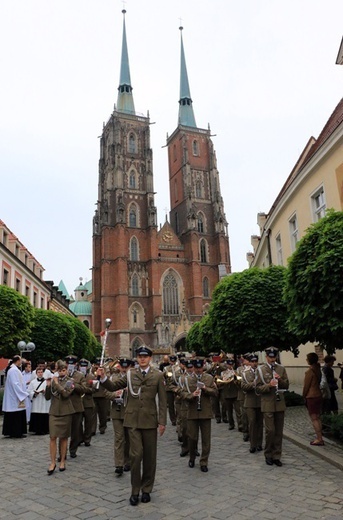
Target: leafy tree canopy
(314, 284)
(16, 320)
(248, 312)
(201, 338)
(53, 335)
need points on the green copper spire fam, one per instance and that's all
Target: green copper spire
(125, 99)
(186, 114)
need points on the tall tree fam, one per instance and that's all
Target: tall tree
(314, 284)
(248, 312)
(53, 335)
(16, 320)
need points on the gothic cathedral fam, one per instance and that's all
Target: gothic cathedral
(155, 283)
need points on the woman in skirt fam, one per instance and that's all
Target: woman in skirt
(58, 389)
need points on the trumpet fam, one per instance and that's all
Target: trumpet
(228, 378)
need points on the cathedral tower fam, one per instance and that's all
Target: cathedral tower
(154, 284)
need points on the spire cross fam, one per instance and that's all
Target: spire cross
(180, 24)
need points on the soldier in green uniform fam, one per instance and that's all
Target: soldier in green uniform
(197, 391)
(79, 381)
(252, 405)
(170, 375)
(143, 419)
(121, 434)
(88, 403)
(271, 381)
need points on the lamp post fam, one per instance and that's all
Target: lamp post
(25, 347)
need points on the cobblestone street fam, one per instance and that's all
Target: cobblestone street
(238, 484)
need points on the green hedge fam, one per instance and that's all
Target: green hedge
(293, 399)
(335, 424)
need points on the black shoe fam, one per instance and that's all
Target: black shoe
(240, 430)
(173, 423)
(259, 448)
(184, 453)
(127, 467)
(102, 433)
(245, 437)
(277, 462)
(252, 450)
(204, 469)
(225, 421)
(119, 470)
(269, 461)
(87, 444)
(197, 454)
(50, 471)
(191, 463)
(62, 469)
(219, 421)
(145, 498)
(134, 500)
(73, 455)
(231, 427)
(180, 439)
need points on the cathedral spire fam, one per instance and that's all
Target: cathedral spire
(125, 99)
(186, 114)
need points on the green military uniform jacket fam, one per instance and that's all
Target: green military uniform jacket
(79, 381)
(252, 400)
(141, 410)
(59, 393)
(269, 402)
(209, 391)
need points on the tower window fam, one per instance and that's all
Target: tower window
(132, 182)
(174, 152)
(195, 147)
(203, 251)
(134, 285)
(200, 223)
(132, 143)
(170, 295)
(134, 249)
(133, 217)
(205, 287)
(198, 190)
(177, 223)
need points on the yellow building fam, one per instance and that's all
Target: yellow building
(314, 184)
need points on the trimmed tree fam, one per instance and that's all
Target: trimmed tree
(16, 320)
(201, 337)
(53, 335)
(314, 284)
(248, 312)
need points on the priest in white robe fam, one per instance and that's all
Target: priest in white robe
(13, 406)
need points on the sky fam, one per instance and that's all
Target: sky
(262, 73)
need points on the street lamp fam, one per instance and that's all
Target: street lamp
(25, 347)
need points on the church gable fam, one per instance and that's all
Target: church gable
(167, 237)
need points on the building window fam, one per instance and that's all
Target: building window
(16, 250)
(4, 239)
(195, 147)
(134, 285)
(5, 277)
(205, 288)
(134, 249)
(203, 251)
(176, 196)
(198, 190)
(86, 323)
(132, 143)
(174, 152)
(170, 295)
(42, 303)
(200, 223)
(35, 299)
(27, 291)
(318, 205)
(133, 216)
(17, 284)
(132, 180)
(294, 232)
(135, 346)
(279, 250)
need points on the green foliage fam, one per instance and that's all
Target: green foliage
(334, 423)
(53, 335)
(16, 320)
(248, 312)
(201, 337)
(294, 399)
(82, 339)
(314, 288)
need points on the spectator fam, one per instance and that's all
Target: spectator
(313, 396)
(39, 420)
(15, 393)
(332, 405)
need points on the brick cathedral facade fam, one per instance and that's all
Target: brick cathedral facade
(155, 283)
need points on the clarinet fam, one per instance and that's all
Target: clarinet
(277, 395)
(199, 397)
